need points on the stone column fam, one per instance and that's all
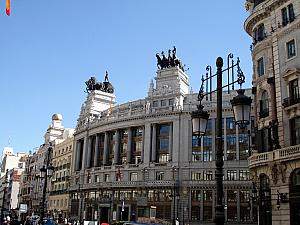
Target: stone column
(129, 146)
(153, 148)
(84, 153)
(105, 153)
(117, 147)
(171, 141)
(143, 145)
(89, 151)
(96, 149)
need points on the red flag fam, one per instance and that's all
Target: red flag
(7, 7)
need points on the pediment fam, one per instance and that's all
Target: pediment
(291, 73)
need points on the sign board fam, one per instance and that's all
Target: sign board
(23, 208)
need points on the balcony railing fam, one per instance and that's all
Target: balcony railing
(291, 101)
(284, 154)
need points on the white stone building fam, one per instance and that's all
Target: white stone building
(139, 159)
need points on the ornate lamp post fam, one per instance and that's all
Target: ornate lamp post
(45, 172)
(241, 106)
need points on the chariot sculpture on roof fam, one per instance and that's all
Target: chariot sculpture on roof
(170, 61)
(92, 85)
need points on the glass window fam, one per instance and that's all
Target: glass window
(259, 33)
(163, 158)
(171, 102)
(107, 177)
(230, 124)
(294, 89)
(196, 175)
(164, 129)
(231, 147)
(244, 174)
(159, 175)
(295, 130)
(207, 175)
(196, 195)
(291, 49)
(260, 67)
(207, 155)
(264, 105)
(163, 102)
(231, 175)
(163, 143)
(291, 12)
(133, 176)
(284, 16)
(155, 103)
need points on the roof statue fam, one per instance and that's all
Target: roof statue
(92, 85)
(172, 60)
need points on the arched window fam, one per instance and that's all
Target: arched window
(264, 105)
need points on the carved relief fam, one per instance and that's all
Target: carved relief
(283, 168)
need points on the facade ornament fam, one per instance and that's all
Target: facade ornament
(176, 103)
(274, 173)
(172, 60)
(283, 168)
(92, 85)
(148, 107)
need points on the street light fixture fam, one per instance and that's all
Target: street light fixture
(45, 172)
(241, 107)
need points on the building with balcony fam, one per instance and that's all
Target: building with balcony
(61, 160)
(274, 26)
(139, 159)
(32, 186)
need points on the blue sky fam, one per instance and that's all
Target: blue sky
(50, 48)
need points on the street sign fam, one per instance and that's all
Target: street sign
(23, 208)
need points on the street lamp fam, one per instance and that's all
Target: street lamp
(4, 185)
(240, 104)
(45, 172)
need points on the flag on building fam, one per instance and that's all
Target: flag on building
(7, 7)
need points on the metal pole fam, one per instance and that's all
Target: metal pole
(219, 209)
(44, 199)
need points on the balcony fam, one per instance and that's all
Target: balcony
(284, 154)
(264, 113)
(290, 101)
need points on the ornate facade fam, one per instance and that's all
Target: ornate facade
(275, 165)
(139, 159)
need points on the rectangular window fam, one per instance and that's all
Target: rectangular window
(163, 102)
(207, 175)
(295, 130)
(196, 175)
(291, 13)
(164, 144)
(196, 195)
(260, 67)
(244, 175)
(284, 16)
(97, 179)
(159, 175)
(137, 159)
(163, 158)
(291, 49)
(133, 176)
(155, 103)
(171, 102)
(230, 124)
(231, 175)
(294, 89)
(107, 177)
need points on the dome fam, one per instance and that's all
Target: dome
(57, 116)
